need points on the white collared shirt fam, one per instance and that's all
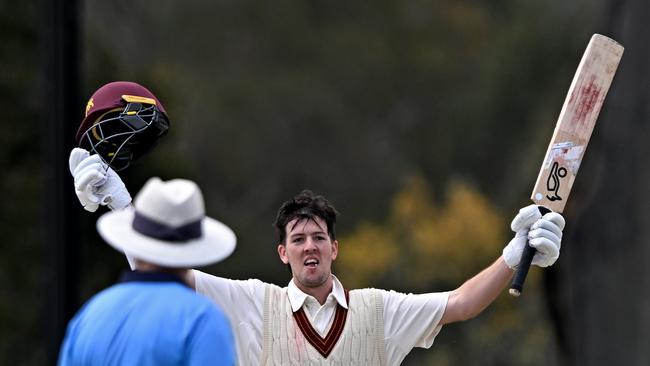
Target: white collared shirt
(320, 316)
(409, 320)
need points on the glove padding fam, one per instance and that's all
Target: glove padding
(96, 183)
(544, 233)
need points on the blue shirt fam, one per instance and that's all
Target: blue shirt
(150, 319)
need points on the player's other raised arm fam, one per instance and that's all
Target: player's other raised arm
(544, 233)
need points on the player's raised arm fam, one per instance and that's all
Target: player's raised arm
(543, 233)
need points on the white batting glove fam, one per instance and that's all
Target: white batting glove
(88, 200)
(544, 233)
(546, 237)
(96, 183)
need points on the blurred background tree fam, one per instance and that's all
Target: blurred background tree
(423, 121)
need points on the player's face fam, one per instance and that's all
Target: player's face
(310, 251)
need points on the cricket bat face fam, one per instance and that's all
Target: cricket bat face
(576, 122)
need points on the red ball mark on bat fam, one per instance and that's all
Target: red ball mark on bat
(588, 96)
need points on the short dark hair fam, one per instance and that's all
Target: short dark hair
(306, 205)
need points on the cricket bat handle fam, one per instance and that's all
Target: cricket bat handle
(517, 285)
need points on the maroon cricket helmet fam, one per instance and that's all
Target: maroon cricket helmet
(123, 122)
(109, 97)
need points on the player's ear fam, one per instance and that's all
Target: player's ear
(335, 249)
(282, 252)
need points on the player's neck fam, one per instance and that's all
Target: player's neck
(321, 292)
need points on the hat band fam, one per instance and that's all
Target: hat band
(156, 230)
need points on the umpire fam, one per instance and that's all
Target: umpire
(152, 317)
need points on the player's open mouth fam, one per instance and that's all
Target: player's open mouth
(311, 263)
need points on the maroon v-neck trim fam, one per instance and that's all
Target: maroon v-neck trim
(324, 346)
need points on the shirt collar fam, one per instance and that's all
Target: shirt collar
(138, 276)
(297, 297)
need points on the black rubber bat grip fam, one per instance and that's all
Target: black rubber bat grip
(517, 285)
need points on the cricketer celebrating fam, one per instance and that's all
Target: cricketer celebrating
(315, 320)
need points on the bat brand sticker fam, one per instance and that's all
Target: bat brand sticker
(553, 181)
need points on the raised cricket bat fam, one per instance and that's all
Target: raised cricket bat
(572, 132)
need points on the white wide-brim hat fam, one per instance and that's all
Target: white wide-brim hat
(168, 227)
